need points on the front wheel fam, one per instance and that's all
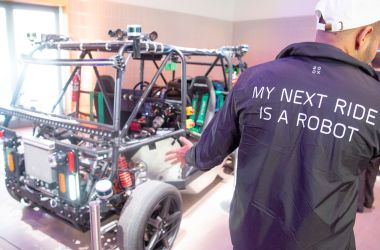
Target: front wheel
(12, 190)
(150, 218)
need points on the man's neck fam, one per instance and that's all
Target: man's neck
(338, 40)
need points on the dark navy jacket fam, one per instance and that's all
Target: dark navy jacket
(306, 125)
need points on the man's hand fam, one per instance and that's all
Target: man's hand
(178, 155)
(235, 78)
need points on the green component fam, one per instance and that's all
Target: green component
(219, 96)
(101, 107)
(196, 129)
(91, 106)
(235, 69)
(171, 66)
(202, 110)
(194, 103)
(221, 102)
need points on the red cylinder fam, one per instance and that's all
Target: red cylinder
(76, 87)
(71, 161)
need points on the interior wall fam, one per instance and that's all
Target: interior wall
(269, 26)
(266, 26)
(92, 19)
(211, 8)
(268, 9)
(266, 38)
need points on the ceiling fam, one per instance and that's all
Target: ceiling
(232, 10)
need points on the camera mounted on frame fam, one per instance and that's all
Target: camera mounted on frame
(134, 34)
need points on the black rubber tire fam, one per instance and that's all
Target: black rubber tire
(145, 223)
(9, 185)
(13, 194)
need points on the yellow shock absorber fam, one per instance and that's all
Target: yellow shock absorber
(11, 164)
(62, 182)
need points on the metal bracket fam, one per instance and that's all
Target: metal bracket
(119, 62)
(74, 125)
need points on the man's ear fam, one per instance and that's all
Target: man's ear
(362, 36)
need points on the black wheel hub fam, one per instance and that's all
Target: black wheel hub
(163, 225)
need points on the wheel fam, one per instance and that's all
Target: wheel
(13, 194)
(150, 218)
(11, 189)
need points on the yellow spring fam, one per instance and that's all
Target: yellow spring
(62, 182)
(11, 164)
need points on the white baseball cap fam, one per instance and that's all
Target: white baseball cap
(346, 14)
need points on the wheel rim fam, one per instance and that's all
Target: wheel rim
(163, 224)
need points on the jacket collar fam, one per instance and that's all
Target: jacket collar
(321, 50)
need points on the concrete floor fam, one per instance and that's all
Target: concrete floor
(32, 228)
(204, 225)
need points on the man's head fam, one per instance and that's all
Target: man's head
(351, 25)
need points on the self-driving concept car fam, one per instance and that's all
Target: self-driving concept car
(98, 151)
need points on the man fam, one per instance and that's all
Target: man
(306, 125)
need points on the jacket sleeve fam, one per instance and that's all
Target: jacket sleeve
(220, 138)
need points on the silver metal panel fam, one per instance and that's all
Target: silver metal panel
(36, 153)
(154, 158)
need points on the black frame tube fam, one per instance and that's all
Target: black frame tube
(212, 66)
(102, 88)
(162, 75)
(82, 55)
(144, 96)
(19, 85)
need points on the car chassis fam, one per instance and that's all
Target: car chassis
(71, 166)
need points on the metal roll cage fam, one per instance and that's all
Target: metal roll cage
(123, 53)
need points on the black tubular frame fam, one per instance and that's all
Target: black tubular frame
(122, 52)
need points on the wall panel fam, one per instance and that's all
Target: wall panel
(268, 37)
